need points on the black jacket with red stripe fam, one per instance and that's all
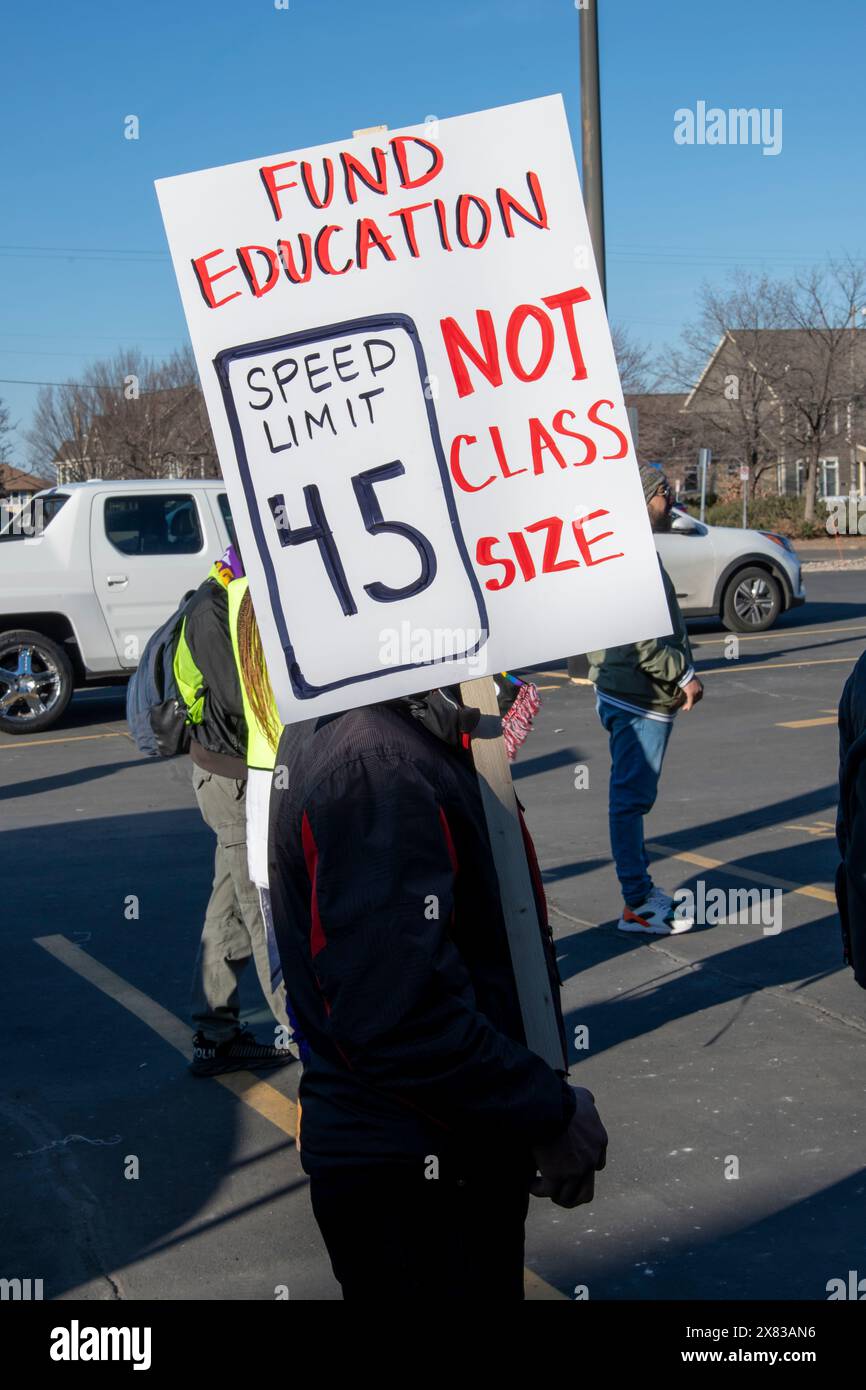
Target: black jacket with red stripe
(390, 929)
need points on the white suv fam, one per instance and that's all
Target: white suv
(746, 578)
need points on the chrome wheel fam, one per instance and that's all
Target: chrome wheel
(31, 682)
(753, 601)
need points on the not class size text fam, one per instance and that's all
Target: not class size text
(552, 553)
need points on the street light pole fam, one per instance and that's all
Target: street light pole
(703, 464)
(593, 191)
(590, 126)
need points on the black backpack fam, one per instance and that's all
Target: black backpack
(155, 711)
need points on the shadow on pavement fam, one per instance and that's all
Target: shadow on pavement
(813, 611)
(792, 808)
(93, 1085)
(789, 1254)
(745, 660)
(546, 762)
(75, 777)
(763, 963)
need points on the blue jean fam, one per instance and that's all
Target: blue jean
(637, 750)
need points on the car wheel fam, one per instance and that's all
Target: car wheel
(752, 602)
(36, 682)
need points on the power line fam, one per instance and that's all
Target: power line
(14, 381)
(637, 254)
(89, 250)
(96, 386)
(93, 337)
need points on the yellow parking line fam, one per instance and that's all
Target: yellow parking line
(777, 665)
(73, 738)
(807, 890)
(805, 723)
(819, 828)
(537, 1290)
(266, 1100)
(773, 633)
(559, 676)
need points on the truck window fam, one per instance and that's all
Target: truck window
(18, 521)
(227, 518)
(166, 524)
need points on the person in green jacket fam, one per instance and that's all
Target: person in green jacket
(639, 690)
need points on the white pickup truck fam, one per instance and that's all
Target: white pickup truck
(87, 573)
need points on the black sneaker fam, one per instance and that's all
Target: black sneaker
(240, 1053)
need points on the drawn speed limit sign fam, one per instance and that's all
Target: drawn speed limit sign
(408, 371)
(367, 525)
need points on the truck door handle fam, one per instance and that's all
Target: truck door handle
(117, 579)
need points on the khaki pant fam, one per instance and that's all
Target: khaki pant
(234, 929)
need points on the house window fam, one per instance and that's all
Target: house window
(828, 478)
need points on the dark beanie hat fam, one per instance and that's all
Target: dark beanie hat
(652, 479)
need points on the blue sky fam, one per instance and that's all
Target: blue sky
(84, 262)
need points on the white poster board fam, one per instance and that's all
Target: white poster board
(409, 374)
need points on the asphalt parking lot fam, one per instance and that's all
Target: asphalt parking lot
(727, 1063)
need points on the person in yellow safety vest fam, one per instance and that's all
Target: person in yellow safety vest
(234, 931)
(220, 741)
(264, 728)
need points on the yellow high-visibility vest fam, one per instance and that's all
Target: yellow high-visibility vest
(190, 681)
(260, 753)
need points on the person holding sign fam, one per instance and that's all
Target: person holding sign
(426, 1119)
(639, 689)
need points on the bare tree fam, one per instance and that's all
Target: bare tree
(633, 362)
(825, 362)
(728, 357)
(667, 434)
(6, 428)
(128, 417)
(61, 431)
(151, 419)
(193, 437)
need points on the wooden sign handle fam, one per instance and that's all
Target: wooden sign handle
(515, 885)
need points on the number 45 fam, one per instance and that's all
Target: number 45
(371, 514)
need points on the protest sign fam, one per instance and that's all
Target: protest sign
(408, 370)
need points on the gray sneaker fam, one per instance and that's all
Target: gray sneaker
(654, 917)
